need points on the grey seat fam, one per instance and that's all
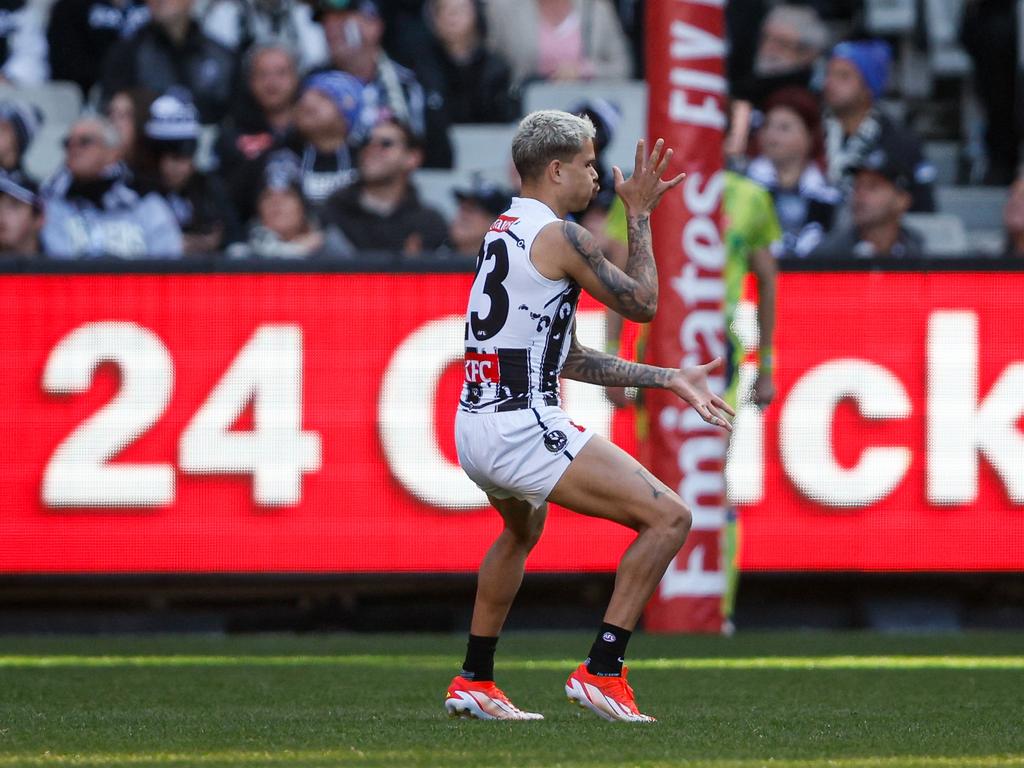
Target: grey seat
(978, 207)
(943, 233)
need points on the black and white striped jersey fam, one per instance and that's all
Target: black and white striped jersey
(519, 323)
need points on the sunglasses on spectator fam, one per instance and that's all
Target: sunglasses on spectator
(80, 141)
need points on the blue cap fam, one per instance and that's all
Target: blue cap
(343, 89)
(871, 58)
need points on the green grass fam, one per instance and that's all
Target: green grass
(781, 700)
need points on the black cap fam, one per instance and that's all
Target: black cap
(491, 197)
(889, 159)
(19, 186)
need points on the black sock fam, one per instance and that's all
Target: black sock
(479, 663)
(608, 651)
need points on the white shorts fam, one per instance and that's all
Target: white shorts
(518, 454)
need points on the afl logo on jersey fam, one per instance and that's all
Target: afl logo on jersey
(555, 440)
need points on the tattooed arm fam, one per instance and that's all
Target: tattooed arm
(690, 384)
(632, 293)
(593, 367)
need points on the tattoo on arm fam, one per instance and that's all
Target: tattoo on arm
(636, 288)
(593, 367)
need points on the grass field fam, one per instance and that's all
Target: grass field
(780, 700)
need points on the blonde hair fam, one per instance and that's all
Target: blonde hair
(546, 135)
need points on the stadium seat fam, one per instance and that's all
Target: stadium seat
(435, 186)
(942, 22)
(943, 233)
(629, 95)
(979, 208)
(482, 145)
(890, 17)
(945, 156)
(60, 101)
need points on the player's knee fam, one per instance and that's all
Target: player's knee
(674, 522)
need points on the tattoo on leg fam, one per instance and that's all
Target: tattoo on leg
(647, 477)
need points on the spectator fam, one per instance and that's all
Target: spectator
(793, 40)
(240, 24)
(23, 44)
(477, 81)
(90, 209)
(21, 214)
(354, 29)
(19, 124)
(791, 144)
(264, 113)
(171, 50)
(559, 39)
(1013, 220)
(790, 47)
(882, 193)
(327, 122)
(284, 229)
(128, 110)
(855, 126)
(198, 201)
(990, 35)
(479, 205)
(81, 32)
(382, 211)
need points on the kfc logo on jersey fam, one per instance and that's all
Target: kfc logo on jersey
(502, 223)
(482, 369)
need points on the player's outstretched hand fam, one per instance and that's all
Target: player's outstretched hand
(691, 384)
(641, 192)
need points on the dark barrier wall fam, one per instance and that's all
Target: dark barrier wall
(300, 422)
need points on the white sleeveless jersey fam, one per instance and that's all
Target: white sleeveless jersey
(519, 323)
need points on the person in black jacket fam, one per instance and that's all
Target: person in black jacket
(477, 81)
(382, 211)
(264, 112)
(172, 50)
(198, 200)
(82, 32)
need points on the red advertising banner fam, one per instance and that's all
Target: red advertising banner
(303, 424)
(685, 73)
(252, 423)
(897, 438)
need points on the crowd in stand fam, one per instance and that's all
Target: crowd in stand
(324, 110)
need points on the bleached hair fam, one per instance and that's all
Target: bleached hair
(547, 135)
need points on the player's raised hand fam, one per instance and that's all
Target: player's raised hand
(641, 192)
(691, 384)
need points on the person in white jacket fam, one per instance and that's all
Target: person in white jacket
(91, 211)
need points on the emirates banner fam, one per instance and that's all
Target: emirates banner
(685, 72)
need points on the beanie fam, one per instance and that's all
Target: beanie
(871, 58)
(173, 117)
(344, 90)
(25, 119)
